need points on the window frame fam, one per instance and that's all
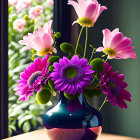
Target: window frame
(4, 69)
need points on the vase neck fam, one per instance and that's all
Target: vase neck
(80, 98)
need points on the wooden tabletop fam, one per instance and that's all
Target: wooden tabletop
(41, 135)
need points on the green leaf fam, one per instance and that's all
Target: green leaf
(26, 126)
(51, 68)
(34, 123)
(57, 35)
(22, 120)
(97, 64)
(79, 49)
(12, 127)
(53, 59)
(71, 97)
(91, 92)
(67, 48)
(10, 132)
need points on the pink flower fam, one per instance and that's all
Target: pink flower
(22, 4)
(50, 2)
(41, 40)
(33, 78)
(19, 24)
(116, 46)
(35, 11)
(88, 11)
(12, 2)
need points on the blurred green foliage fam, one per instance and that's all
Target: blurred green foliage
(23, 115)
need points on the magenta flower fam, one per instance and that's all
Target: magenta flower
(113, 86)
(72, 76)
(19, 24)
(22, 4)
(116, 46)
(88, 11)
(33, 77)
(12, 2)
(41, 40)
(35, 11)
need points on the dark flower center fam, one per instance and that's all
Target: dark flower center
(71, 73)
(33, 77)
(114, 86)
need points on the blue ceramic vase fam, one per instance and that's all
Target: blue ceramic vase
(72, 120)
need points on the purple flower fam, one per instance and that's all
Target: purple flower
(113, 86)
(33, 77)
(72, 76)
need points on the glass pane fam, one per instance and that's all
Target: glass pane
(25, 16)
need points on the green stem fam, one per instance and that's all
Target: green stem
(86, 42)
(78, 39)
(106, 60)
(92, 55)
(93, 79)
(105, 100)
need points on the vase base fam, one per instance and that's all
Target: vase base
(74, 134)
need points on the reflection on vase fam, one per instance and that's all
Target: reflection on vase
(72, 120)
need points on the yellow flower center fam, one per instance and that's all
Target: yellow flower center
(45, 51)
(109, 51)
(19, 26)
(86, 22)
(37, 11)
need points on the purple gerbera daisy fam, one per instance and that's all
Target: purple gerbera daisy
(72, 76)
(113, 86)
(33, 78)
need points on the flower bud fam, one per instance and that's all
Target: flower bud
(43, 96)
(25, 17)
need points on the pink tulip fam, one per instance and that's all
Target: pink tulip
(35, 11)
(116, 46)
(19, 24)
(12, 2)
(41, 40)
(88, 11)
(22, 4)
(50, 2)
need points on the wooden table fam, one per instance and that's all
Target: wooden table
(41, 135)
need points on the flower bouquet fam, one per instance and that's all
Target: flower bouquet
(74, 77)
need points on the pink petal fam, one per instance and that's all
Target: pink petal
(116, 40)
(47, 27)
(82, 5)
(100, 49)
(47, 40)
(22, 98)
(126, 95)
(106, 37)
(126, 54)
(102, 8)
(124, 43)
(76, 7)
(90, 10)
